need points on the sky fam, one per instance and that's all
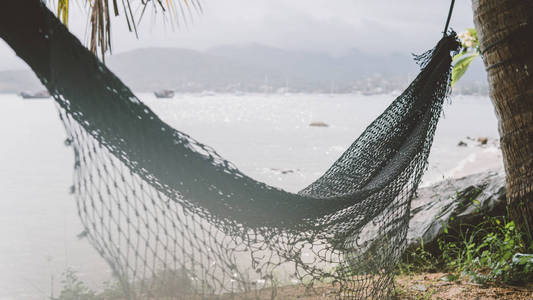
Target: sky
(331, 26)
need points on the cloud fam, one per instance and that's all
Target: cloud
(318, 25)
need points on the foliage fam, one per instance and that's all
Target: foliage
(112, 291)
(418, 260)
(163, 285)
(100, 11)
(470, 51)
(74, 288)
(169, 283)
(488, 252)
(62, 10)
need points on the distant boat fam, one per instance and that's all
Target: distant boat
(37, 95)
(164, 94)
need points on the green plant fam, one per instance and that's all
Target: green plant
(100, 12)
(470, 50)
(74, 288)
(165, 284)
(112, 290)
(487, 252)
(418, 260)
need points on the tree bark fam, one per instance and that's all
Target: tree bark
(505, 31)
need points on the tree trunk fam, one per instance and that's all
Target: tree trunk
(505, 30)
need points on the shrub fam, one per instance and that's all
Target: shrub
(74, 288)
(487, 252)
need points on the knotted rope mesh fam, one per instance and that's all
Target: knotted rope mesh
(175, 220)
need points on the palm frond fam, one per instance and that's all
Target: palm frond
(100, 17)
(62, 11)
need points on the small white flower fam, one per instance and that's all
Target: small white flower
(467, 39)
(469, 43)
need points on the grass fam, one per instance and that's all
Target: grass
(492, 251)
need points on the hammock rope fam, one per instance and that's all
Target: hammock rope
(175, 220)
(449, 17)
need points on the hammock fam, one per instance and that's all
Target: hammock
(175, 220)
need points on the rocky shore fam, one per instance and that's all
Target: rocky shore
(449, 203)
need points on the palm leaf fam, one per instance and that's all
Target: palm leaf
(460, 67)
(100, 20)
(62, 11)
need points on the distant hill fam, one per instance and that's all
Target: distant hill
(256, 68)
(17, 81)
(184, 70)
(317, 66)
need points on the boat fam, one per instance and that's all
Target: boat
(38, 95)
(164, 94)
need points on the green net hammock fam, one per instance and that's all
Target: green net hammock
(174, 220)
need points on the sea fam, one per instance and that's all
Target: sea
(267, 136)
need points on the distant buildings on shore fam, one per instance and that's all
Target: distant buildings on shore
(259, 69)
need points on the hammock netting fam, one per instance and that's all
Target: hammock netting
(174, 220)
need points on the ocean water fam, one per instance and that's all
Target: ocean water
(266, 136)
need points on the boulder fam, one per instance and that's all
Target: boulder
(455, 201)
(483, 140)
(318, 124)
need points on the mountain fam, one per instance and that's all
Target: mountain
(17, 81)
(254, 68)
(168, 68)
(317, 66)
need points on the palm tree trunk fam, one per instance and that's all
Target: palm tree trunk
(505, 30)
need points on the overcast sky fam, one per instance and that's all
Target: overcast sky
(333, 26)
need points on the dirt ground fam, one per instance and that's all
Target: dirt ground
(435, 286)
(424, 286)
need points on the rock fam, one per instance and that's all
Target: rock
(420, 287)
(462, 144)
(284, 171)
(318, 124)
(453, 202)
(483, 140)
